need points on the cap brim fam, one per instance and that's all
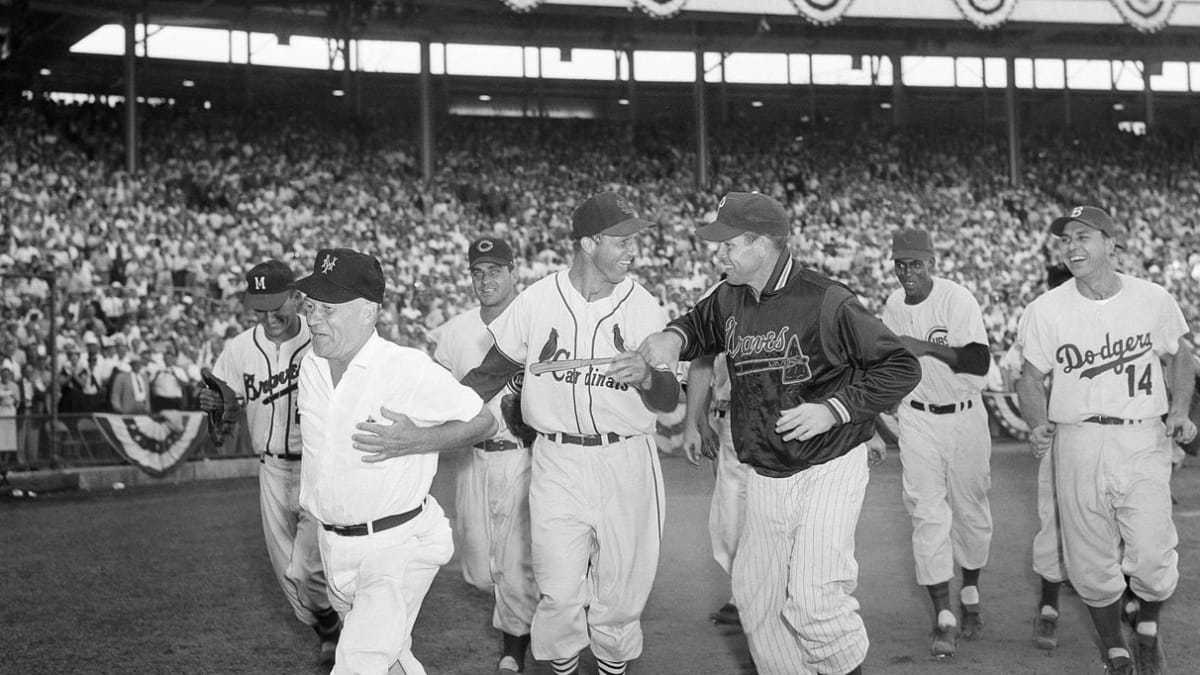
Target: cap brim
(318, 288)
(265, 302)
(717, 231)
(1059, 224)
(627, 227)
(490, 259)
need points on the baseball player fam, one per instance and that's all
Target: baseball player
(810, 369)
(596, 493)
(945, 443)
(492, 486)
(1106, 336)
(382, 536)
(708, 389)
(262, 368)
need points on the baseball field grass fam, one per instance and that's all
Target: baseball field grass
(174, 579)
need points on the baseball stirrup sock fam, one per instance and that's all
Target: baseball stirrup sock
(611, 667)
(1050, 593)
(565, 666)
(516, 646)
(328, 623)
(1107, 620)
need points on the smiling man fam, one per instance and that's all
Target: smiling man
(596, 491)
(809, 371)
(1120, 391)
(262, 367)
(491, 495)
(945, 444)
(383, 537)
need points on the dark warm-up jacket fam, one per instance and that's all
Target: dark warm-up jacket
(805, 339)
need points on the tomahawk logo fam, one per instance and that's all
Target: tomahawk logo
(773, 350)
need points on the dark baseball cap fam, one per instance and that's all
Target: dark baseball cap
(268, 285)
(489, 249)
(606, 213)
(912, 244)
(1093, 217)
(341, 275)
(740, 212)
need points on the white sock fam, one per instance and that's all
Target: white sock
(945, 619)
(1118, 651)
(1147, 627)
(970, 595)
(1049, 612)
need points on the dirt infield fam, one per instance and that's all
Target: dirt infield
(174, 579)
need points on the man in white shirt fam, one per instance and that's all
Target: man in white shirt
(383, 536)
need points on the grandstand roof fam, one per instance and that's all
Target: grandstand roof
(1036, 28)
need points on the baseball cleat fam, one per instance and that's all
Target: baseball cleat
(328, 651)
(727, 615)
(972, 624)
(508, 666)
(1045, 632)
(945, 640)
(1120, 665)
(1148, 655)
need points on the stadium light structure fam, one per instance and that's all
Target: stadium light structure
(756, 104)
(44, 72)
(188, 83)
(338, 92)
(485, 98)
(622, 101)
(1118, 107)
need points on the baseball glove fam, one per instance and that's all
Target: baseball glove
(510, 409)
(223, 418)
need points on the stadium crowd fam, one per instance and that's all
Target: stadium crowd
(148, 267)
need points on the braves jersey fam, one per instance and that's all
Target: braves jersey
(266, 375)
(804, 339)
(1104, 354)
(551, 320)
(950, 317)
(462, 343)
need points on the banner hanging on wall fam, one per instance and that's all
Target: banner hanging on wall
(1148, 16)
(660, 9)
(986, 14)
(822, 12)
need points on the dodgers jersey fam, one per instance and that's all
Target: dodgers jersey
(1104, 354)
(462, 342)
(266, 375)
(551, 320)
(950, 317)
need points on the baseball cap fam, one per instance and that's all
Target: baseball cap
(606, 213)
(341, 275)
(912, 244)
(489, 249)
(268, 285)
(1093, 217)
(740, 212)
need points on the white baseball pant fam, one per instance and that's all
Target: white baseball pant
(597, 515)
(1047, 543)
(1114, 484)
(506, 491)
(728, 499)
(795, 569)
(291, 536)
(377, 583)
(471, 519)
(946, 478)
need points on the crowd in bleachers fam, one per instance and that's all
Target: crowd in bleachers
(148, 267)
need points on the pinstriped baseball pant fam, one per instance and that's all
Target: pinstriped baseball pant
(795, 569)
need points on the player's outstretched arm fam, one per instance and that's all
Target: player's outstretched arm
(1031, 395)
(379, 442)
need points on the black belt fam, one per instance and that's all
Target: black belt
(363, 529)
(493, 445)
(942, 409)
(574, 439)
(1104, 419)
(290, 458)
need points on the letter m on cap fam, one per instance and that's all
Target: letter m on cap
(260, 283)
